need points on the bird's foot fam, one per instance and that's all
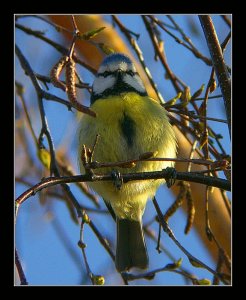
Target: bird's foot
(171, 174)
(117, 179)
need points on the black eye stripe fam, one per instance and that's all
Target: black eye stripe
(108, 73)
(105, 74)
(131, 73)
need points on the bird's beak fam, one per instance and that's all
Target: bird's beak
(119, 75)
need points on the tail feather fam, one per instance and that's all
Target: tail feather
(131, 248)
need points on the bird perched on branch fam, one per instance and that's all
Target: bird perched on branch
(128, 124)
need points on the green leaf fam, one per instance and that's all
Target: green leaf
(173, 100)
(98, 280)
(203, 281)
(106, 49)
(213, 86)
(85, 218)
(92, 33)
(44, 157)
(195, 263)
(210, 133)
(175, 265)
(198, 92)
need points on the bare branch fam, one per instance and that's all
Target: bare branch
(192, 176)
(218, 63)
(191, 47)
(191, 258)
(57, 46)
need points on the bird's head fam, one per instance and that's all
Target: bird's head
(116, 74)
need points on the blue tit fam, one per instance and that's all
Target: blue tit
(129, 123)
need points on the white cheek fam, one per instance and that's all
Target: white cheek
(102, 69)
(135, 82)
(101, 84)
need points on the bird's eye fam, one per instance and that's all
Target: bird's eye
(131, 73)
(106, 74)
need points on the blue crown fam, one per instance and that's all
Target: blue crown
(116, 57)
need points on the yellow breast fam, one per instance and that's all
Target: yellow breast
(128, 125)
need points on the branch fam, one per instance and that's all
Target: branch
(192, 48)
(193, 116)
(45, 130)
(227, 20)
(171, 75)
(151, 274)
(218, 63)
(82, 85)
(58, 28)
(57, 46)
(164, 174)
(210, 97)
(193, 260)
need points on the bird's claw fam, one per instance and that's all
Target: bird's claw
(117, 179)
(171, 174)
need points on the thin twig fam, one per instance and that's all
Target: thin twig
(191, 258)
(57, 46)
(160, 54)
(210, 233)
(64, 164)
(61, 197)
(207, 224)
(21, 273)
(217, 137)
(19, 91)
(127, 163)
(226, 202)
(195, 133)
(227, 20)
(226, 41)
(177, 203)
(44, 130)
(82, 246)
(80, 85)
(210, 97)
(152, 235)
(59, 228)
(59, 28)
(104, 244)
(139, 53)
(192, 48)
(203, 109)
(151, 274)
(60, 164)
(190, 208)
(193, 116)
(218, 268)
(51, 97)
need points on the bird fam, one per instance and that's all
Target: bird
(128, 123)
